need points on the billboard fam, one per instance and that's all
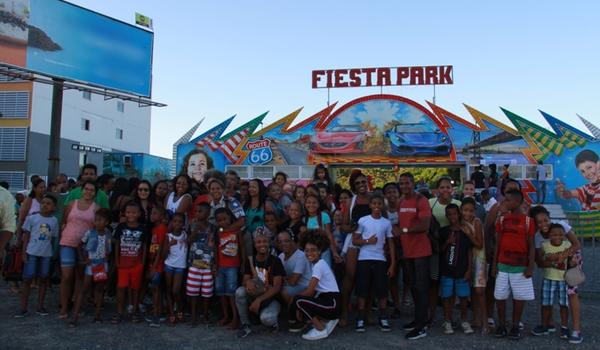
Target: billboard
(62, 40)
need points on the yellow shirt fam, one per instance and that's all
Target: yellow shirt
(552, 273)
(8, 220)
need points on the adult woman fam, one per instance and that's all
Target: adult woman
(180, 200)
(120, 196)
(31, 204)
(358, 207)
(438, 211)
(160, 191)
(77, 219)
(255, 208)
(195, 164)
(143, 196)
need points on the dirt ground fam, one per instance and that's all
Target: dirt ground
(48, 332)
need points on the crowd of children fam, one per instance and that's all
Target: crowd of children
(286, 251)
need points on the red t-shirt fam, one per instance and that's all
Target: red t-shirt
(158, 236)
(514, 229)
(410, 212)
(229, 249)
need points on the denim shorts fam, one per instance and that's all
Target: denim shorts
(36, 266)
(174, 270)
(68, 256)
(454, 286)
(227, 281)
(156, 279)
(88, 269)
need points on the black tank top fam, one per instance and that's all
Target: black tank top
(359, 211)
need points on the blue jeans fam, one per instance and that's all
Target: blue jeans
(36, 266)
(227, 281)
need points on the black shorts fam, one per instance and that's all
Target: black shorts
(371, 274)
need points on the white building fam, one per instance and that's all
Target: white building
(91, 125)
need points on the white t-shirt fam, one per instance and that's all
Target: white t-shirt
(297, 264)
(369, 226)
(539, 239)
(327, 282)
(177, 257)
(490, 204)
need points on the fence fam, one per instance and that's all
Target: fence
(587, 228)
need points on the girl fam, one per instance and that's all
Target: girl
(320, 302)
(31, 204)
(294, 224)
(300, 193)
(160, 191)
(279, 201)
(96, 243)
(180, 200)
(255, 209)
(321, 175)
(175, 248)
(474, 230)
(230, 253)
(77, 219)
(280, 179)
(316, 218)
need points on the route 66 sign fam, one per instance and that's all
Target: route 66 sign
(260, 152)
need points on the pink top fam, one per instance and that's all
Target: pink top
(78, 222)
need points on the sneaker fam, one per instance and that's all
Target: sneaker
(142, 308)
(447, 327)
(330, 326)
(360, 326)
(564, 332)
(521, 326)
(130, 309)
(154, 322)
(315, 334)
(551, 329)
(416, 334)
(396, 314)
(466, 327)
(515, 333)
(491, 322)
(576, 337)
(384, 325)
(409, 326)
(244, 331)
(42, 312)
(297, 327)
(274, 328)
(21, 314)
(501, 332)
(540, 330)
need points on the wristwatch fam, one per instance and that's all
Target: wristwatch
(405, 230)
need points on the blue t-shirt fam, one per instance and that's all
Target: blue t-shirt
(313, 222)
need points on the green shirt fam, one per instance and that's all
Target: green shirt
(439, 210)
(511, 269)
(101, 197)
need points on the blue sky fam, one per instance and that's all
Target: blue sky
(214, 59)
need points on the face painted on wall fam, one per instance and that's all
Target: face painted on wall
(197, 166)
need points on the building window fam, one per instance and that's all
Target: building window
(85, 124)
(14, 104)
(15, 179)
(121, 106)
(119, 134)
(13, 144)
(87, 95)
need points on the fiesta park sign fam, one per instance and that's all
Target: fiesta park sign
(383, 76)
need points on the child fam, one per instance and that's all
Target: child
(326, 197)
(229, 256)
(372, 271)
(554, 278)
(175, 249)
(317, 219)
(294, 224)
(279, 201)
(96, 243)
(513, 262)
(201, 261)
(38, 231)
(321, 300)
(392, 197)
(588, 164)
(156, 262)
(456, 262)
(131, 238)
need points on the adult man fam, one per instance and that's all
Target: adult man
(232, 180)
(88, 173)
(414, 217)
(478, 178)
(540, 176)
(296, 265)
(7, 220)
(261, 285)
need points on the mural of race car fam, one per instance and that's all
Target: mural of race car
(418, 139)
(343, 139)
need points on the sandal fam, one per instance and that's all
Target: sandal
(136, 318)
(180, 317)
(72, 324)
(63, 317)
(116, 319)
(172, 320)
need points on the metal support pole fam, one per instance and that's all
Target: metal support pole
(327, 96)
(55, 126)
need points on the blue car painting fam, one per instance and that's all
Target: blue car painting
(418, 139)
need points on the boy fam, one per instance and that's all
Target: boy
(156, 264)
(201, 261)
(588, 164)
(554, 278)
(130, 255)
(38, 231)
(456, 263)
(513, 263)
(371, 235)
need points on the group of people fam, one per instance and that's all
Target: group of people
(312, 255)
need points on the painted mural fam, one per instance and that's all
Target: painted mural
(388, 130)
(140, 165)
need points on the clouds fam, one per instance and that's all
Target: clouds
(379, 112)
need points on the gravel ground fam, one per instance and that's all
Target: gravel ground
(48, 332)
